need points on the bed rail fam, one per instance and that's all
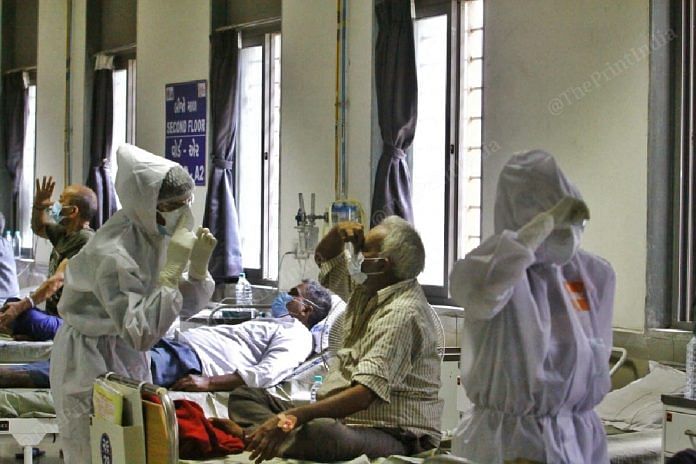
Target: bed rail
(622, 359)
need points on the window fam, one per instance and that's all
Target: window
(447, 146)
(124, 111)
(684, 273)
(26, 193)
(259, 155)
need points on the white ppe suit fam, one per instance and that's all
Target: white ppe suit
(113, 306)
(537, 335)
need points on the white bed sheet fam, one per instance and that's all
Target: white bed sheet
(12, 351)
(635, 447)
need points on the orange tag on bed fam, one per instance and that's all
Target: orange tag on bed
(576, 290)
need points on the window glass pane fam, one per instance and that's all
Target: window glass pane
(274, 162)
(26, 195)
(250, 155)
(429, 145)
(120, 119)
(470, 150)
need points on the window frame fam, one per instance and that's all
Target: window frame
(262, 36)
(28, 252)
(684, 252)
(453, 140)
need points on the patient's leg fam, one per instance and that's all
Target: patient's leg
(37, 325)
(33, 375)
(328, 440)
(249, 407)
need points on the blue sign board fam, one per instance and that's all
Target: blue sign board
(185, 126)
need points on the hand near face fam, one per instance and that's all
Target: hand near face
(334, 242)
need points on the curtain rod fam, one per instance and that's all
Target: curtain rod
(260, 22)
(25, 68)
(115, 50)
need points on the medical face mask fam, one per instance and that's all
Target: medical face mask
(171, 218)
(54, 211)
(355, 265)
(561, 245)
(279, 306)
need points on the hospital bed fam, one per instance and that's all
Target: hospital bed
(28, 415)
(624, 448)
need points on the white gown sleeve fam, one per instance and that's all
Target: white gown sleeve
(285, 352)
(482, 283)
(141, 316)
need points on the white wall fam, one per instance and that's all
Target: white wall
(307, 117)
(78, 62)
(359, 118)
(540, 50)
(172, 46)
(50, 99)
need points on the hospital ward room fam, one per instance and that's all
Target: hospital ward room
(347, 231)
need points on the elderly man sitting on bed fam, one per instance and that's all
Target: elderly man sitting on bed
(258, 353)
(381, 393)
(65, 223)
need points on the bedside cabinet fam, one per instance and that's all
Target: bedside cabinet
(679, 430)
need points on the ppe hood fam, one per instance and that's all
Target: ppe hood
(530, 183)
(140, 175)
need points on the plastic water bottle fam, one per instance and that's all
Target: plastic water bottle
(17, 244)
(243, 293)
(8, 236)
(318, 380)
(691, 369)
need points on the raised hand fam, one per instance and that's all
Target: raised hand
(44, 192)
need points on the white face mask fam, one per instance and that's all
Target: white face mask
(560, 246)
(355, 265)
(171, 219)
(355, 268)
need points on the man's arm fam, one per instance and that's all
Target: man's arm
(351, 400)
(332, 259)
(46, 290)
(42, 200)
(199, 383)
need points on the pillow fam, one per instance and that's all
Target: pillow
(322, 331)
(637, 406)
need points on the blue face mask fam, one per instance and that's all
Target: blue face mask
(54, 212)
(279, 305)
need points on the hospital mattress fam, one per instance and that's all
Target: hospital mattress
(635, 447)
(12, 351)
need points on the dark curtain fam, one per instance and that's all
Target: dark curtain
(397, 103)
(220, 209)
(102, 125)
(15, 113)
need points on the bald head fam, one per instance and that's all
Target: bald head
(83, 198)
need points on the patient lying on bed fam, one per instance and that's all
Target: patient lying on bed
(258, 353)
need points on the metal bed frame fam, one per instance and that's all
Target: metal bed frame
(167, 405)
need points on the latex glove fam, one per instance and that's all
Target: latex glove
(205, 244)
(178, 254)
(535, 231)
(569, 212)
